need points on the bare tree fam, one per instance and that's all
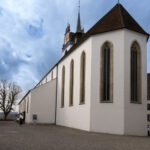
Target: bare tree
(8, 96)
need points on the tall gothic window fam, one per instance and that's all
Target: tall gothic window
(135, 88)
(82, 77)
(71, 82)
(63, 86)
(106, 73)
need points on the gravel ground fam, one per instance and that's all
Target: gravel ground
(51, 137)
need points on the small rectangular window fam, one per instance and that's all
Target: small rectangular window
(148, 117)
(148, 106)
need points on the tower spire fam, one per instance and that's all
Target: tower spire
(79, 29)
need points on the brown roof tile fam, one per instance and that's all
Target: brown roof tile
(116, 18)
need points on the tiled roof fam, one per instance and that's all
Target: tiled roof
(116, 18)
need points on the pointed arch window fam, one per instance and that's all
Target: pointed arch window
(135, 89)
(82, 77)
(63, 87)
(71, 82)
(106, 73)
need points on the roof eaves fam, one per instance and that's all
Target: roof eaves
(24, 97)
(46, 74)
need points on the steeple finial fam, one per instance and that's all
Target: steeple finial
(78, 29)
(118, 1)
(79, 6)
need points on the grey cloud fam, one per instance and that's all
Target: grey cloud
(36, 31)
(9, 62)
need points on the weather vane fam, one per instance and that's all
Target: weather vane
(79, 4)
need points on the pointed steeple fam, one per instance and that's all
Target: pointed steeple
(79, 28)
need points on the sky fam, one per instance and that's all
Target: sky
(32, 33)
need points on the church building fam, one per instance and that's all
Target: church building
(100, 82)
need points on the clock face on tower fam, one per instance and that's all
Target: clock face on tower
(66, 38)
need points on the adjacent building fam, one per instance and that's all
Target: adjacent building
(148, 98)
(100, 83)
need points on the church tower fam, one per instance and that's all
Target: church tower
(68, 40)
(72, 38)
(79, 29)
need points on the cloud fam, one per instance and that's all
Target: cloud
(35, 31)
(10, 61)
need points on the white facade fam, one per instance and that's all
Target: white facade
(121, 116)
(77, 116)
(41, 102)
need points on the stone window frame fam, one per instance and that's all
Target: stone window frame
(139, 64)
(71, 89)
(82, 80)
(63, 87)
(107, 43)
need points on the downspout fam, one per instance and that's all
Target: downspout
(56, 93)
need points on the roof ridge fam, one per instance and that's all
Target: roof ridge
(100, 19)
(122, 19)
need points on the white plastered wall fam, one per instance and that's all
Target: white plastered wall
(135, 114)
(77, 116)
(28, 114)
(108, 117)
(43, 99)
(121, 116)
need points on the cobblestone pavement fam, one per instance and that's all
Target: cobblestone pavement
(51, 137)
